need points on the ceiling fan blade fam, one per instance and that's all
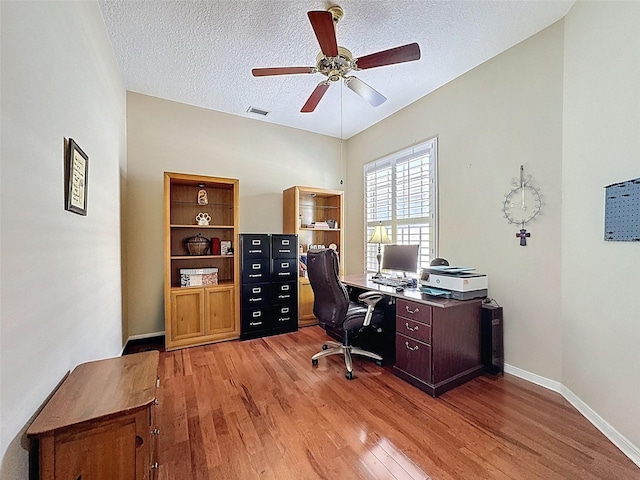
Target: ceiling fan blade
(325, 30)
(373, 97)
(315, 97)
(264, 72)
(405, 53)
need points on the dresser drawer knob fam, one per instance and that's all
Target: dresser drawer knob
(155, 431)
(411, 311)
(154, 466)
(411, 329)
(413, 349)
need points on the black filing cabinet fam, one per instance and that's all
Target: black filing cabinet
(269, 298)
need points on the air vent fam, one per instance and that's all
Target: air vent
(257, 111)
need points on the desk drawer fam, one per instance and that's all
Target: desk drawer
(413, 357)
(416, 330)
(414, 311)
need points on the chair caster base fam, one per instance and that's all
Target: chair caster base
(314, 362)
(324, 347)
(349, 375)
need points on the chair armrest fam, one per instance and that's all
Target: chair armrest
(370, 298)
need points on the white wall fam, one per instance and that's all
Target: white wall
(601, 280)
(504, 113)
(169, 136)
(60, 277)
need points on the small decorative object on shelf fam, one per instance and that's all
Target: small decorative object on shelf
(215, 246)
(225, 246)
(319, 224)
(522, 204)
(203, 198)
(197, 245)
(203, 218)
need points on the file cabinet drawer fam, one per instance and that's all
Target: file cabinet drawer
(284, 269)
(255, 270)
(255, 246)
(284, 246)
(256, 295)
(283, 293)
(284, 315)
(413, 357)
(255, 319)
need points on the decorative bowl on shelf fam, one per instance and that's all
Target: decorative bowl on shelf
(197, 245)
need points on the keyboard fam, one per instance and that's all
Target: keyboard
(389, 282)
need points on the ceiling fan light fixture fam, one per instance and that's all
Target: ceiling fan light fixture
(336, 13)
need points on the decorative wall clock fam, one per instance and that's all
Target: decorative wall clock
(522, 204)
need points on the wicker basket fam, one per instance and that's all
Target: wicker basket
(197, 245)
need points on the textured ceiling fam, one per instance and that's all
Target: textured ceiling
(202, 52)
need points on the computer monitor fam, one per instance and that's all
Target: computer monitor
(401, 258)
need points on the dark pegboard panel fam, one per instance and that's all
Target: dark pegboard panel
(622, 212)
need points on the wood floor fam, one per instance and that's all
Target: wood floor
(259, 410)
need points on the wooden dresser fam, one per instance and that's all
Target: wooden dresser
(100, 423)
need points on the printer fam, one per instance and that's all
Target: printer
(460, 283)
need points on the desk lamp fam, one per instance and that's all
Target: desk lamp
(380, 237)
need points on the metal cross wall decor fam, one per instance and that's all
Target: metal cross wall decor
(523, 237)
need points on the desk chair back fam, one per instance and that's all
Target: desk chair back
(331, 298)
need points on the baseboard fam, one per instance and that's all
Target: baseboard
(619, 440)
(142, 336)
(533, 378)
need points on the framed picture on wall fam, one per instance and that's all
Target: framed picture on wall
(76, 176)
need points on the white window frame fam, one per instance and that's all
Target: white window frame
(402, 226)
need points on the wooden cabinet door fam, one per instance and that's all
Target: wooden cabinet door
(112, 450)
(220, 318)
(187, 315)
(305, 304)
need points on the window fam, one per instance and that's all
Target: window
(400, 192)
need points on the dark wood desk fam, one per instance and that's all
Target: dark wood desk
(438, 343)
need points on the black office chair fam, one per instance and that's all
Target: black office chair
(336, 312)
(439, 262)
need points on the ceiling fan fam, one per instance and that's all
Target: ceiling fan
(335, 62)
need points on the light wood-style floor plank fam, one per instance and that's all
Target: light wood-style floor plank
(258, 409)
